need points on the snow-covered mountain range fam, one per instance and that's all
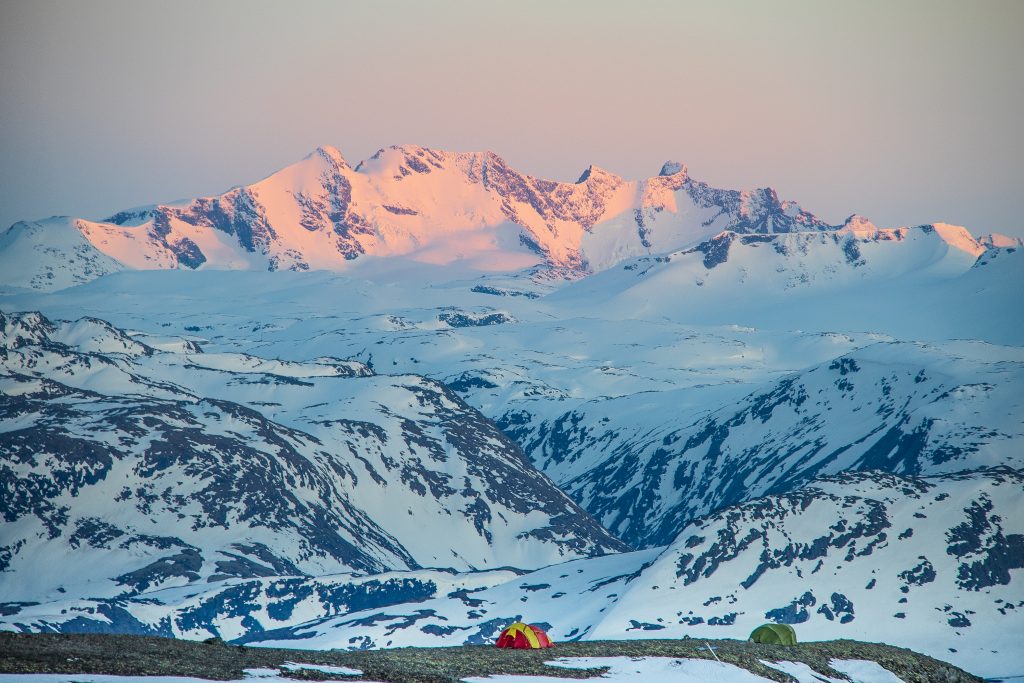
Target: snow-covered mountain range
(829, 550)
(426, 205)
(488, 388)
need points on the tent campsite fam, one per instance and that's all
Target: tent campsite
(522, 636)
(774, 634)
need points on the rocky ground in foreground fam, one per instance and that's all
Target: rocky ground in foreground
(141, 656)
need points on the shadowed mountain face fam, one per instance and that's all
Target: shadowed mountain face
(163, 466)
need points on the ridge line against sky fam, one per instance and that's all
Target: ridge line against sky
(904, 112)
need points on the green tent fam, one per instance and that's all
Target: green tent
(774, 634)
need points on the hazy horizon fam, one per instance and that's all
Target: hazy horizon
(906, 113)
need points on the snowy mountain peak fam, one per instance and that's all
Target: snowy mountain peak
(416, 156)
(759, 199)
(26, 329)
(331, 154)
(670, 168)
(401, 162)
(957, 237)
(997, 240)
(418, 150)
(596, 173)
(52, 254)
(859, 224)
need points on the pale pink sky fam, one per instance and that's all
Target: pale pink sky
(907, 112)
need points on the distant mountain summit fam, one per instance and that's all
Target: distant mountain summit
(421, 204)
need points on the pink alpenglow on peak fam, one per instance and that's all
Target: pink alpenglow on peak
(332, 154)
(958, 237)
(598, 174)
(438, 207)
(999, 241)
(859, 225)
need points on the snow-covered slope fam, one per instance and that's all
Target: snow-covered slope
(898, 407)
(684, 670)
(51, 254)
(926, 562)
(429, 206)
(916, 283)
(769, 265)
(155, 468)
(999, 240)
(929, 563)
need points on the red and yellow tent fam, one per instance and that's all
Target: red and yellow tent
(524, 637)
